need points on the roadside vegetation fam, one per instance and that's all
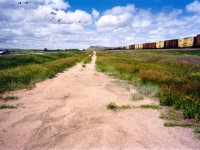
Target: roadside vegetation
(23, 71)
(5, 106)
(173, 76)
(113, 105)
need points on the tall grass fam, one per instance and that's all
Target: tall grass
(12, 61)
(26, 76)
(172, 76)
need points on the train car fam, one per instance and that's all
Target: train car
(160, 44)
(136, 46)
(197, 41)
(149, 46)
(152, 45)
(171, 44)
(131, 47)
(186, 42)
(140, 46)
(146, 46)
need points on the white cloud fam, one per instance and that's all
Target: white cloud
(51, 24)
(194, 7)
(95, 13)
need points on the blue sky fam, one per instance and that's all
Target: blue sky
(102, 5)
(82, 23)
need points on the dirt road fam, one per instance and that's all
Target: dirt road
(68, 112)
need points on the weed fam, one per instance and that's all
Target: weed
(5, 106)
(9, 97)
(150, 106)
(111, 105)
(136, 96)
(151, 90)
(83, 65)
(179, 124)
(172, 114)
(128, 106)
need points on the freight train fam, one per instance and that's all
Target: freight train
(189, 42)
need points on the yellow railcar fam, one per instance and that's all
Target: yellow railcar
(137, 46)
(140, 46)
(160, 44)
(186, 42)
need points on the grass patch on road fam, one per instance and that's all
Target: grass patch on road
(5, 106)
(177, 124)
(150, 106)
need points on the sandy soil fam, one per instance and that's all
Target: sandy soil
(68, 112)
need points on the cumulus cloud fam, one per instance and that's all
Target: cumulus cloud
(194, 7)
(51, 24)
(95, 13)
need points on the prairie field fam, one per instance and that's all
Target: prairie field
(173, 76)
(24, 70)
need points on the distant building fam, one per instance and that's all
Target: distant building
(4, 52)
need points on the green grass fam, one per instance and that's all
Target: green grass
(127, 106)
(172, 114)
(12, 61)
(173, 76)
(136, 96)
(111, 105)
(5, 106)
(25, 76)
(150, 106)
(178, 124)
(87, 60)
(9, 97)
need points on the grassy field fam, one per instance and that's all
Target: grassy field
(173, 76)
(24, 70)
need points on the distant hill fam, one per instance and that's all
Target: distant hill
(97, 48)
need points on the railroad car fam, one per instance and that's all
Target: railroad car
(136, 46)
(197, 41)
(146, 46)
(160, 44)
(186, 42)
(131, 46)
(149, 46)
(171, 44)
(152, 45)
(140, 46)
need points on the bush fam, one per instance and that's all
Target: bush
(111, 105)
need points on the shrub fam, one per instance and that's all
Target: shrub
(112, 105)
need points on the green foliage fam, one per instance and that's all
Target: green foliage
(127, 106)
(13, 60)
(173, 76)
(179, 124)
(151, 90)
(136, 96)
(150, 106)
(26, 76)
(111, 105)
(9, 97)
(5, 106)
(87, 60)
(172, 114)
